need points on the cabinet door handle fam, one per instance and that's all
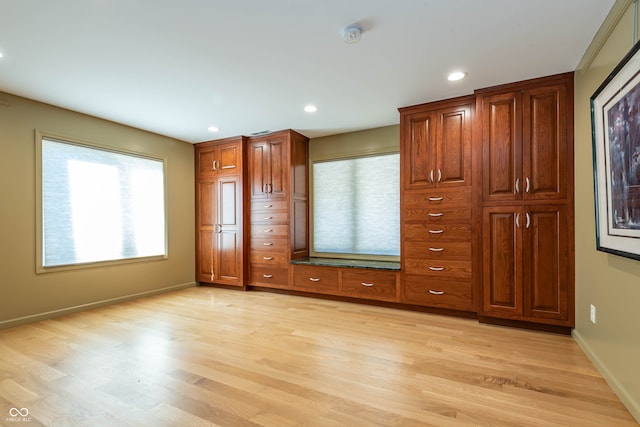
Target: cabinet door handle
(217, 228)
(528, 183)
(436, 268)
(436, 214)
(431, 176)
(432, 292)
(268, 230)
(518, 220)
(436, 231)
(436, 249)
(517, 185)
(267, 258)
(368, 285)
(268, 276)
(215, 165)
(439, 175)
(436, 199)
(268, 244)
(528, 220)
(314, 279)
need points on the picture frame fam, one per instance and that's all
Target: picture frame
(615, 125)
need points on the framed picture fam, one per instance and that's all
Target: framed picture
(615, 125)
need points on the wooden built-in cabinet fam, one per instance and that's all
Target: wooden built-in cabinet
(527, 194)
(437, 204)
(278, 206)
(486, 210)
(219, 212)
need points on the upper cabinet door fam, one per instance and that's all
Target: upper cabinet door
(436, 145)
(502, 146)
(545, 147)
(278, 168)
(419, 150)
(453, 148)
(229, 159)
(258, 169)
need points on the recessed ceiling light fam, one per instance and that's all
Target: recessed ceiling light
(213, 129)
(457, 75)
(310, 108)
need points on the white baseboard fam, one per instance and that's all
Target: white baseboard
(632, 405)
(55, 313)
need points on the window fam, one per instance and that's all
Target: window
(98, 205)
(356, 206)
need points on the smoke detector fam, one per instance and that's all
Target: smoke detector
(352, 33)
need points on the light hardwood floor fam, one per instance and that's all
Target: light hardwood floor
(207, 356)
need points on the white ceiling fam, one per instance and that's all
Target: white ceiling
(176, 67)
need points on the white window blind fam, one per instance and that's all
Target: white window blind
(99, 205)
(356, 206)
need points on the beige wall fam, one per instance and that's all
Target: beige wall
(610, 282)
(23, 293)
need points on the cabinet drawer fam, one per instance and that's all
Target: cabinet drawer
(266, 231)
(269, 258)
(275, 217)
(424, 231)
(272, 277)
(438, 214)
(315, 279)
(437, 198)
(260, 206)
(277, 244)
(453, 294)
(438, 250)
(438, 268)
(369, 284)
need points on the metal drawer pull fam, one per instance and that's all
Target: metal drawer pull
(517, 185)
(436, 292)
(528, 184)
(215, 165)
(268, 230)
(436, 214)
(268, 244)
(528, 220)
(518, 220)
(431, 175)
(314, 279)
(267, 276)
(268, 217)
(436, 199)
(436, 249)
(368, 285)
(436, 231)
(267, 258)
(268, 206)
(436, 268)
(439, 175)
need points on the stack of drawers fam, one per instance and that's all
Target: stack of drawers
(437, 241)
(269, 231)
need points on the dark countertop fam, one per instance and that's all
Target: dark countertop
(352, 263)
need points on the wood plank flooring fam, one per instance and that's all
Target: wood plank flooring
(207, 356)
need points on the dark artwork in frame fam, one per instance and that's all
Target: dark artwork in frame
(615, 121)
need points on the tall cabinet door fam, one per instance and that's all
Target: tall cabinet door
(228, 261)
(258, 169)
(502, 147)
(502, 259)
(206, 229)
(453, 147)
(547, 273)
(278, 172)
(545, 147)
